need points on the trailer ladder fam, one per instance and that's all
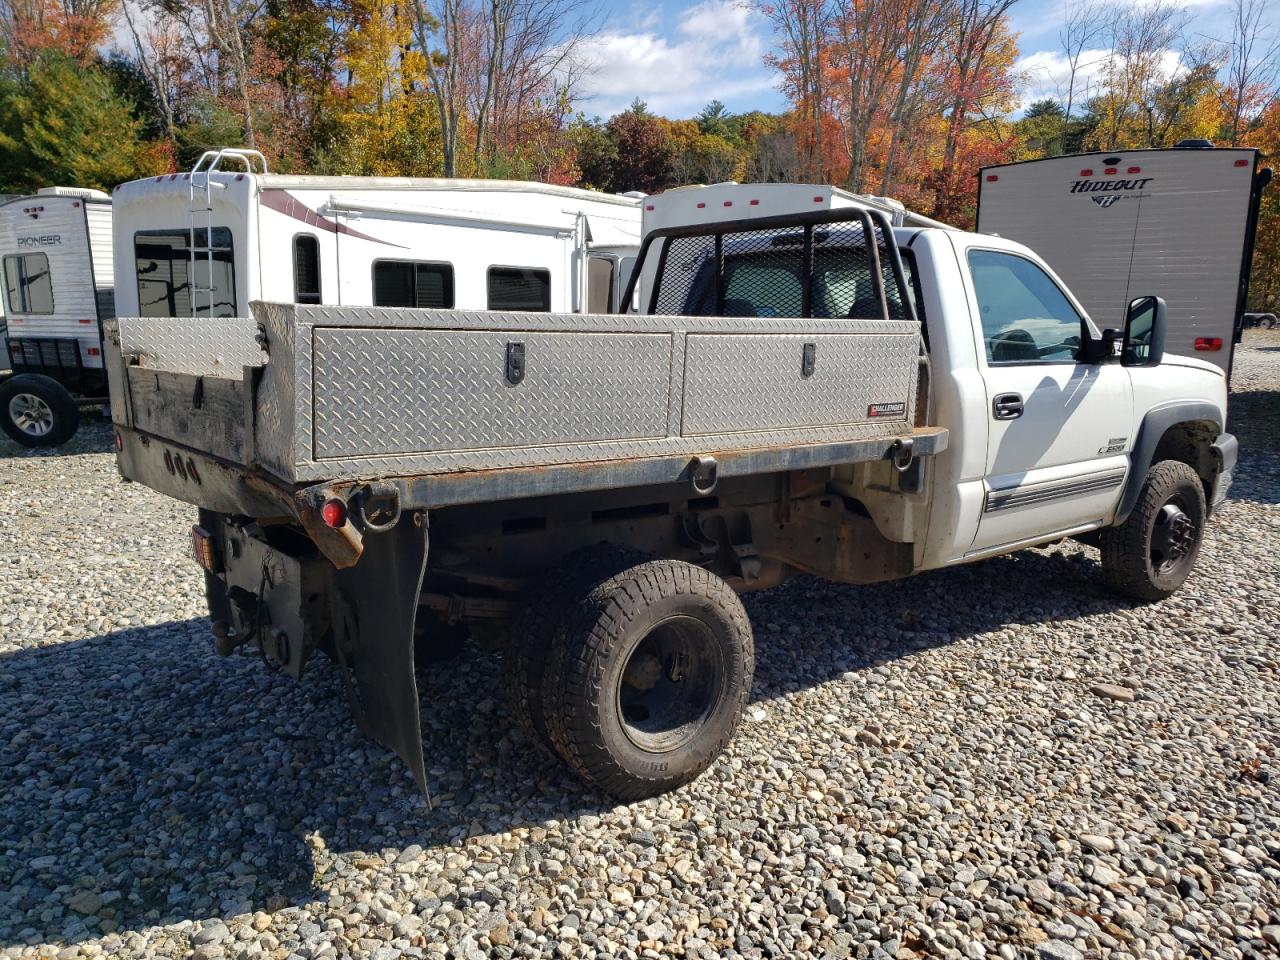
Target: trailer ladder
(200, 186)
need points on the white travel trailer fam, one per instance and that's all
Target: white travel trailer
(1118, 224)
(55, 254)
(209, 242)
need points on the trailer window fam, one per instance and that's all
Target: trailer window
(412, 283)
(1026, 318)
(306, 269)
(599, 284)
(519, 288)
(179, 279)
(28, 285)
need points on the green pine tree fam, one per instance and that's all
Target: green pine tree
(66, 124)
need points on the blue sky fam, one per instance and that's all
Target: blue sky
(679, 54)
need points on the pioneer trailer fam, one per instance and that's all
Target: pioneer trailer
(211, 241)
(590, 491)
(1116, 223)
(55, 253)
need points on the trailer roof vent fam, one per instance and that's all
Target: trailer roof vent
(1194, 143)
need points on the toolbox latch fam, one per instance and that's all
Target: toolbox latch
(515, 362)
(808, 359)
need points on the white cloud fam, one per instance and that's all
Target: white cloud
(714, 54)
(1046, 75)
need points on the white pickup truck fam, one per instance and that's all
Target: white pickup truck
(803, 387)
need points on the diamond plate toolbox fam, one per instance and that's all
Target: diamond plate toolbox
(357, 392)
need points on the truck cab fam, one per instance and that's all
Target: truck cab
(1048, 439)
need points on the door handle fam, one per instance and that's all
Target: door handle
(1007, 406)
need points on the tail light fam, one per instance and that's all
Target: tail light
(334, 513)
(1208, 343)
(202, 548)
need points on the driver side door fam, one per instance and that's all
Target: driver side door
(1058, 429)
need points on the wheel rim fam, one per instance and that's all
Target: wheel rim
(30, 414)
(1173, 537)
(671, 683)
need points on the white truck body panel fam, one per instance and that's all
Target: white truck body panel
(1132, 223)
(71, 228)
(468, 225)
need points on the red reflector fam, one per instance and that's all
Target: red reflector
(1135, 170)
(1242, 163)
(755, 203)
(1086, 172)
(1208, 343)
(728, 203)
(86, 321)
(334, 513)
(817, 199)
(648, 206)
(992, 178)
(1110, 171)
(93, 352)
(701, 204)
(202, 549)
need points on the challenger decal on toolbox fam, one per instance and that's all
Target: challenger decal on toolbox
(886, 410)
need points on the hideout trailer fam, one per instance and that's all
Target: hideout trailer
(209, 242)
(799, 390)
(55, 256)
(1114, 224)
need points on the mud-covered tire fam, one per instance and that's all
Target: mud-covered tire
(1150, 555)
(648, 676)
(529, 642)
(37, 411)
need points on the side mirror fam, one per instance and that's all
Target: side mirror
(1144, 328)
(1106, 349)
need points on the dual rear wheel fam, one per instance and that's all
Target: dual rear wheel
(634, 672)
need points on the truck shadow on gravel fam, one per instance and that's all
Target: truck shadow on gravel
(147, 782)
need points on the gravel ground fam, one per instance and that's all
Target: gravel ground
(1000, 760)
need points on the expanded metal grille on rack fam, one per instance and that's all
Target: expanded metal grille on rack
(807, 268)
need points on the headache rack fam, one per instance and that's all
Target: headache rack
(702, 268)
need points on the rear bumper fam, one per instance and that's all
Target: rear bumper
(1226, 449)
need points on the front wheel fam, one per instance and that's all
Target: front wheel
(1150, 555)
(647, 678)
(37, 411)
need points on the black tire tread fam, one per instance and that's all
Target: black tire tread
(525, 657)
(1125, 549)
(585, 642)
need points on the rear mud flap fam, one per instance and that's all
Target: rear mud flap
(377, 603)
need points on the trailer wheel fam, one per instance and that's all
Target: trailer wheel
(529, 644)
(37, 411)
(1150, 555)
(648, 677)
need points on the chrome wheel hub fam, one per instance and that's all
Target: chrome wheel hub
(31, 414)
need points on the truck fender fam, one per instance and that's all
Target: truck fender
(1152, 430)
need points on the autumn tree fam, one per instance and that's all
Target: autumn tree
(1252, 55)
(73, 29)
(65, 124)
(803, 31)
